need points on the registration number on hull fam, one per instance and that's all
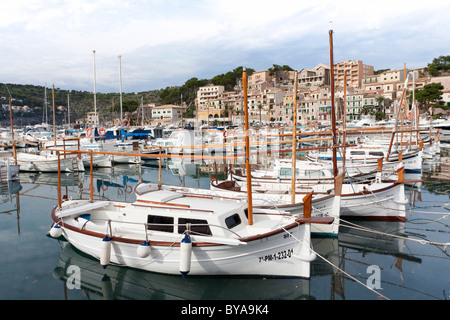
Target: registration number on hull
(285, 254)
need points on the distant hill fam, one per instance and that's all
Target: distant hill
(81, 102)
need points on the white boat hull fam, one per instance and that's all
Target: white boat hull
(278, 251)
(255, 258)
(98, 161)
(33, 163)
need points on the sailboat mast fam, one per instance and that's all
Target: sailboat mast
(95, 94)
(247, 150)
(294, 139)
(344, 123)
(44, 110)
(54, 116)
(120, 78)
(68, 110)
(333, 113)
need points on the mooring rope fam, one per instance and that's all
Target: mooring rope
(334, 266)
(421, 241)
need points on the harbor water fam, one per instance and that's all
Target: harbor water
(369, 260)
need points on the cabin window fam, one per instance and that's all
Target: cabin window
(160, 223)
(314, 174)
(198, 226)
(357, 153)
(376, 153)
(286, 172)
(234, 220)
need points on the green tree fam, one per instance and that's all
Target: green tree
(439, 65)
(430, 95)
(230, 79)
(277, 67)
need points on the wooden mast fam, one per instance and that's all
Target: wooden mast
(294, 139)
(247, 150)
(396, 119)
(333, 113)
(344, 125)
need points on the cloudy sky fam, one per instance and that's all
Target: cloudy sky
(166, 42)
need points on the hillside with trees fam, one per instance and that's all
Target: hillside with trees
(82, 102)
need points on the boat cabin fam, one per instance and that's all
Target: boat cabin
(173, 212)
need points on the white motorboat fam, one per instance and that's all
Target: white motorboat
(412, 160)
(48, 163)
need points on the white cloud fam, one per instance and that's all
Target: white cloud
(166, 42)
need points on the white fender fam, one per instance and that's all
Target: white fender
(30, 166)
(185, 255)
(105, 252)
(143, 250)
(56, 231)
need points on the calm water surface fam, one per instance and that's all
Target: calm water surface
(399, 261)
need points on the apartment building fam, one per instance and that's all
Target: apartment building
(208, 93)
(354, 103)
(166, 114)
(92, 119)
(354, 70)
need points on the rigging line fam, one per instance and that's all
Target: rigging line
(337, 44)
(355, 226)
(430, 221)
(8, 91)
(334, 266)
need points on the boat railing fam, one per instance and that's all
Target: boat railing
(189, 228)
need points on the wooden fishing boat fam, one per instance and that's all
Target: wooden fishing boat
(412, 160)
(307, 172)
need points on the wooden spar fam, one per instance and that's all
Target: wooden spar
(59, 180)
(11, 119)
(92, 182)
(159, 172)
(247, 151)
(396, 119)
(416, 109)
(333, 113)
(294, 139)
(344, 129)
(307, 206)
